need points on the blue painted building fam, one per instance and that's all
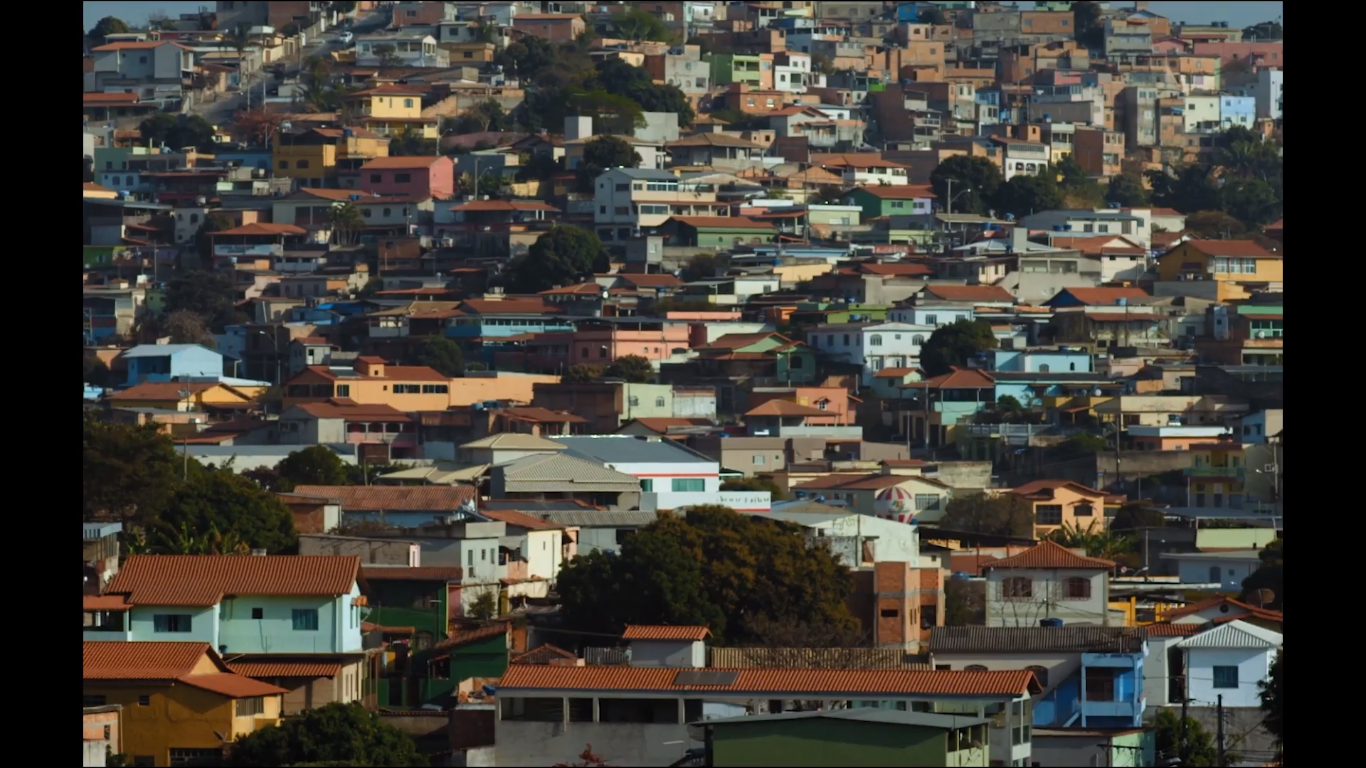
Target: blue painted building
(166, 362)
(1237, 110)
(988, 106)
(1060, 360)
(480, 335)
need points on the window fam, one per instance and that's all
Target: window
(931, 319)
(258, 613)
(1040, 673)
(875, 340)
(1049, 514)
(255, 705)
(144, 700)
(408, 103)
(284, 165)
(918, 340)
(375, 178)
(635, 402)
(830, 340)
(435, 389)
(647, 486)
(402, 178)
(925, 501)
(659, 402)
(343, 390)
(148, 760)
(1214, 574)
(171, 622)
(301, 164)
(1083, 510)
(688, 485)
(305, 619)
(1078, 588)
(1045, 368)
(889, 613)
(1017, 587)
(757, 459)
(96, 700)
(602, 352)
(197, 756)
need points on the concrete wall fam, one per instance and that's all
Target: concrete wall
(639, 744)
(370, 551)
(964, 474)
(1253, 666)
(658, 653)
(1157, 671)
(1048, 599)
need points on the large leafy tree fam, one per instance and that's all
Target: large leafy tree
(1078, 188)
(1189, 188)
(715, 567)
(617, 76)
(314, 465)
(335, 734)
(954, 344)
(1270, 574)
(637, 25)
(442, 354)
(559, 257)
(1005, 514)
(632, 368)
(1086, 19)
(128, 472)
(582, 373)
(977, 175)
(1127, 190)
(109, 25)
(1199, 749)
(208, 294)
(219, 499)
(602, 154)
(1026, 194)
(178, 131)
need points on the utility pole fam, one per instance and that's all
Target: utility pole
(948, 207)
(1219, 711)
(1185, 705)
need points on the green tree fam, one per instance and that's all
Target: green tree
(964, 603)
(388, 57)
(976, 180)
(181, 326)
(1199, 749)
(1025, 194)
(487, 115)
(611, 113)
(582, 373)
(637, 25)
(1005, 514)
(1100, 543)
(208, 294)
(346, 222)
(1132, 517)
(775, 492)
(560, 257)
(602, 154)
(1270, 574)
(633, 368)
(1187, 188)
(713, 567)
(339, 734)
(314, 465)
(822, 64)
(703, 265)
(1252, 201)
(1214, 225)
(128, 472)
(1264, 31)
(1273, 700)
(109, 25)
(1079, 189)
(617, 76)
(932, 14)
(215, 221)
(1127, 190)
(178, 131)
(410, 143)
(954, 344)
(220, 499)
(1086, 20)
(485, 605)
(442, 354)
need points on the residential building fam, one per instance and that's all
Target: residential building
(331, 423)
(1022, 157)
(906, 499)
(717, 231)
(908, 200)
(766, 356)
(671, 475)
(155, 70)
(1222, 571)
(863, 736)
(413, 47)
(945, 402)
(557, 476)
(1091, 676)
(399, 506)
(1058, 503)
(418, 178)
(715, 150)
(1230, 269)
(1228, 662)
(871, 347)
(628, 200)
(1048, 582)
(555, 27)
(171, 362)
(101, 734)
(390, 109)
(864, 168)
(181, 704)
(1084, 747)
(315, 156)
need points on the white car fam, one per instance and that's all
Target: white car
(346, 38)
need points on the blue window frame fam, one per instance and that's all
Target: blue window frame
(305, 619)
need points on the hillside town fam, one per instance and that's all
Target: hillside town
(884, 383)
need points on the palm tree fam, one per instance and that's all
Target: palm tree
(183, 542)
(1096, 541)
(346, 221)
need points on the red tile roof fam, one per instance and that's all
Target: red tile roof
(533, 413)
(969, 293)
(1243, 248)
(1050, 554)
(1106, 296)
(774, 681)
(722, 222)
(285, 669)
(356, 411)
(543, 655)
(104, 603)
(1096, 246)
(233, 686)
(388, 89)
(1275, 226)
(894, 373)
(521, 520)
(109, 98)
(664, 632)
(132, 45)
(528, 306)
(786, 408)
(203, 580)
(406, 162)
(142, 660)
(958, 378)
(651, 281)
(471, 635)
(1212, 602)
(1036, 486)
(740, 340)
(264, 228)
(414, 498)
(896, 270)
(662, 424)
(898, 191)
(1166, 629)
(412, 573)
(164, 390)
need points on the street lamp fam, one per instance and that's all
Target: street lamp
(275, 344)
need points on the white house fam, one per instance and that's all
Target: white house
(1230, 660)
(1226, 569)
(412, 48)
(873, 346)
(930, 315)
(1048, 581)
(671, 475)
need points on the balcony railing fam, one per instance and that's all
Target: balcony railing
(1236, 473)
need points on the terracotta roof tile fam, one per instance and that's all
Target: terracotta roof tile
(1050, 554)
(662, 424)
(285, 669)
(543, 655)
(505, 205)
(1212, 602)
(367, 412)
(969, 293)
(1167, 629)
(406, 162)
(533, 413)
(412, 573)
(1244, 248)
(232, 685)
(529, 306)
(664, 632)
(1035, 486)
(105, 603)
(163, 390)
(798, 682)
(143, 660)
(727, 222)
(740, 340)
(958, 378)
(203, 580)
(786, 408)
(896, 270)
(416, 498)
(264, 228)
(1103, 296)
(521, 520)
(651, 281)
(472, 635)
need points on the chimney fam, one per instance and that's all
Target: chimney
(578, 127)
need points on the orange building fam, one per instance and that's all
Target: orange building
(1062, 502)
(832, 402)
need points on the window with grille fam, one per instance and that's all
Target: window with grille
(688, 485)
(193, 757)
(1225, 677)
(305, 619)
(1049, 514)
(1017, 587)
(1078, 588)
(248, 707)
(925, 501)
(171, 622)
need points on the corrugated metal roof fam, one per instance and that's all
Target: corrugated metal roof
(631, 449)
(1074, 639)
(555, 472)
(588, 518)
(866, 715)
(515, 441)
(1235, 634)
(797, 682)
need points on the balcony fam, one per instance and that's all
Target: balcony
(1127, 709)
(1233, 473)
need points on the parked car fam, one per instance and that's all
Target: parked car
(346, 37)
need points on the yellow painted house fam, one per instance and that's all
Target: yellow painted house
(181, 704)
(1237, 266)
(388, 109)
(315, 155)
(1062, 502)
(183, 396)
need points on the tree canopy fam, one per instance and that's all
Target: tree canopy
(633, 368)
(1270, 574)
(954, 344)
(1244, 178)
(314, 465)
(1027, 194)
(109, 25)
(713, 567)
(335, 734)
(219, 499)
(637, 25)
(775, 492)
(1127, 190)
(1273, 700)
(207, 294)
(1199, 750)
(559, 257)
(1005, 514)
(582, 373)
(602, 154)
(178, 131)
(1086, 20)
(617, 76)
(442, 354)
(127, 471)
(977, 175)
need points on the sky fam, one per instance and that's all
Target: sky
(1241, 14)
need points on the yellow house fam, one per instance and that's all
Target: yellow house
(388, 109)
(1059, 502)
(407, 388)
(1237, 266)
(316, 154)
(90, 189)
(181, 703)
(182, 396)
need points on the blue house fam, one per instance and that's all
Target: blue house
(269, 604)
(1092, 676)
(165, 362)
(1060, 360)
(1237, 110)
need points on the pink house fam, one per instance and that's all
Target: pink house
(600, 344)
(418, 177)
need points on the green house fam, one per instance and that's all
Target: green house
(758, 354)
(717, 231)
(863, 737)
(892, 200)
(418, 611)
(727, 68)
